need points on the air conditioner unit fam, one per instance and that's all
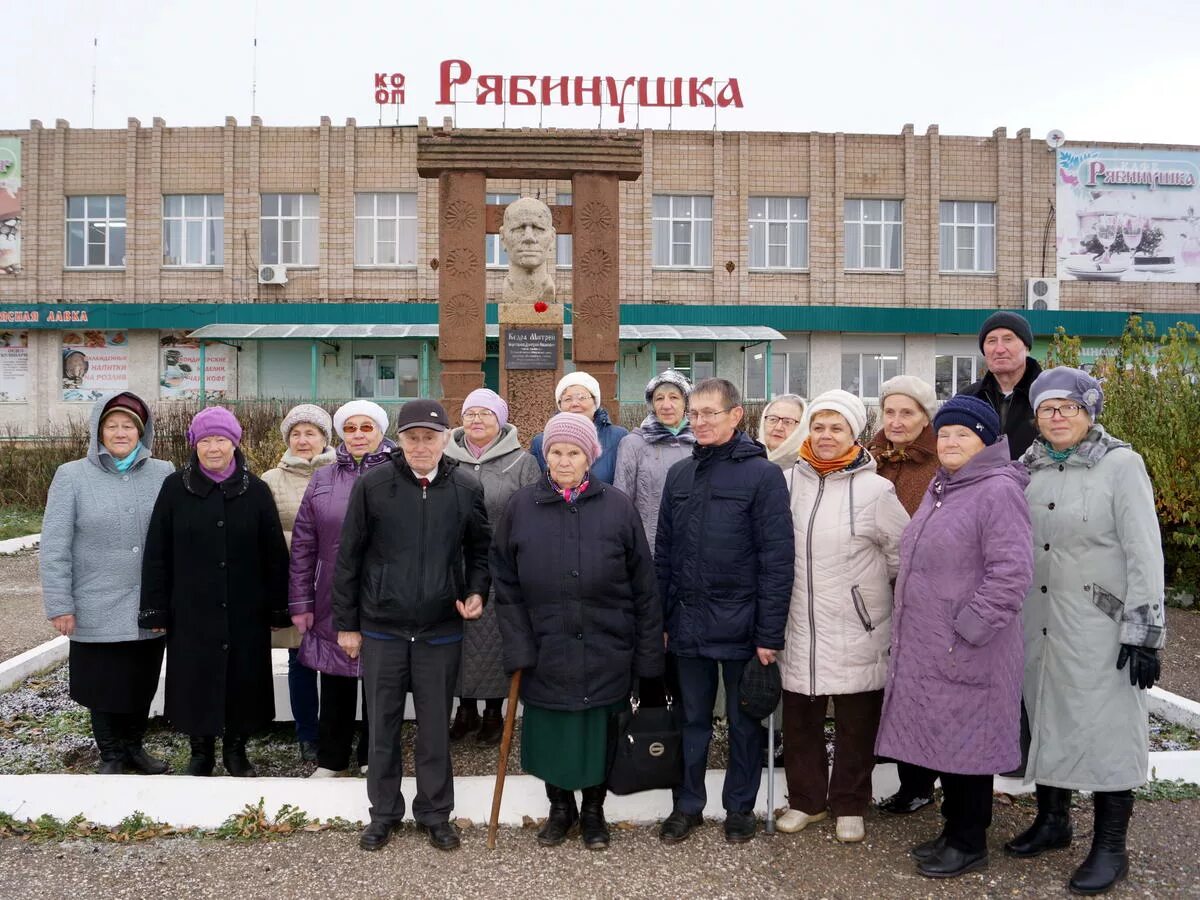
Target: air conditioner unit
(272, 274)
(1041, 293)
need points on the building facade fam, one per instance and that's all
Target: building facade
(784, 261)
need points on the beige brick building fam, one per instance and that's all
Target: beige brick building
(835, 241)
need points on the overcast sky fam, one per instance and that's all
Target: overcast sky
(1098, 70)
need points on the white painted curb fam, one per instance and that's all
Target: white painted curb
(40, 659)
(1174, 708)
(16, 545)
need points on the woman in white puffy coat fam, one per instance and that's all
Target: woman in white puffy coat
(848, 523)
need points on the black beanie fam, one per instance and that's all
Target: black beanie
(1014, 322)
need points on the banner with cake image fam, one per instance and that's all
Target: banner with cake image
(180, 369)
(1128, 215)
(94, 363)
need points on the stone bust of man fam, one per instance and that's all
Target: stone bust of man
(527, 235)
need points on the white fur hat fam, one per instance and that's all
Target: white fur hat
(911, 386)
(360, 408)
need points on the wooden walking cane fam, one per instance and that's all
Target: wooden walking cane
(510, 718)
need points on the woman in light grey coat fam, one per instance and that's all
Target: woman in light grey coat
(93, 535)
(488, 447)
(646, 453)
(1094, 622)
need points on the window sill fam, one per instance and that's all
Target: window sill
(113, 269)
(293, 267)
(167, 268)
(759, 270)
(873, 271)
(409, 267)
(708, 269)
(968, 272)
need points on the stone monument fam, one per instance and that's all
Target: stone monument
(527, 235)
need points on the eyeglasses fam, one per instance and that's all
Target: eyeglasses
(707, 415)
(351, 429)
(781, 420)
(1066, 411)
(478, 415)
(575, 398)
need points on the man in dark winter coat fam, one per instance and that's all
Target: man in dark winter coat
(1005, 341)
(725, 557)
(412, 565)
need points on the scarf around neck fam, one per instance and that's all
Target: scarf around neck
(570, 495)
(124, 463)
(824, 467)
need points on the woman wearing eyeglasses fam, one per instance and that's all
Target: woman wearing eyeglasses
(579, 392)
(316, 537)
(782, 429)
(487, 445)
(1094, 623)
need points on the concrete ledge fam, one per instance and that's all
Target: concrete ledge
(1174, 708)
(41, 658)
(16, 545)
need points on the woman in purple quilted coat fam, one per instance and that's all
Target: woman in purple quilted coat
(316, 537)
(953, 697)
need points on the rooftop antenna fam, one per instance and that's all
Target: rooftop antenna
(95, 55)
(254, 66)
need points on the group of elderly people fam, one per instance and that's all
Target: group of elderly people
(925, 584)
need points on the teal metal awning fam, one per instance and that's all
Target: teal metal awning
(235, 331)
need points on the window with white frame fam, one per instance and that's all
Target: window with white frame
(692, 365)
(789, 373)
(953, 372)
(385, 229)
(288, 229)
(96, 231)
(386, 376)
(968, 236)
(863, 373)
(874, 232)
(682, 232)
(497, 256)
(565, 243)
(779, 232)
(193, 230)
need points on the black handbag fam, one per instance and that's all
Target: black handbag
(646, 751)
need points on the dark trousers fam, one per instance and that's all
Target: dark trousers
(967, 809)
(390, 670)
(697, 694)
(302, 692)
(336, 725)
(915, 781)
(811, 789)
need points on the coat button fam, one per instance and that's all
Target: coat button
(573, 509)
(1051, 506)
(579, 635)
(1060, 467)
(574, 573)
(124, 477)
(1043, 589)
(224, 646)
(1047, 547)
(135, 549)
(1043, 631)
(224, 605)
(220, 523)
(221, 565)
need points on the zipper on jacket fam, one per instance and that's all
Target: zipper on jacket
(812, 613)
(421, 555)
(860, 607)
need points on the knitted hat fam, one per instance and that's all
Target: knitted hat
(669, 377)
(842, 402)
(132, 406)
(422, 414)
(1014, 322)
(307, 414)
(1066, 383)
(572, 428)
(582, 379)
(374, 411)
(971, 412)
(214, 421)
(488, 399)
(911, 386)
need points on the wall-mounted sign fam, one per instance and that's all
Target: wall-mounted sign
(1128, 215)
(94, 363)
(10, 205)
(531, 348)
(14, 366)
(179, 368)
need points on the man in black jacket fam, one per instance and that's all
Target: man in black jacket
(1005, 341)
(413, 563)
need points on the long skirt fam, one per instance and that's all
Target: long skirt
(116, 677)
(567, 749)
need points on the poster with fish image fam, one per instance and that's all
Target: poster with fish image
(94, 363)
(1128, 215)
(10, 205)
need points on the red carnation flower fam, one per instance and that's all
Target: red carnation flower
(540, 307)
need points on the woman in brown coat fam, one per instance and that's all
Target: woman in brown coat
(905, 451)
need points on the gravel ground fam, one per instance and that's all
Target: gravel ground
(1181, 657)
(809, 864)
(23, 622)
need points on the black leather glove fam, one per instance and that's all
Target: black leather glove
(1144, 667)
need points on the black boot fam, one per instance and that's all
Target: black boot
(233, 754)
(1051, 829)
(466, 720)
(591, 818)
(136, 757)
(1107, 863)
(106, 731)
(491, 727)
(203, 755)
(563, 817)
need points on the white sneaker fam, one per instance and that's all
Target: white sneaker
(794, 820)
(850, 829)
(323, 773)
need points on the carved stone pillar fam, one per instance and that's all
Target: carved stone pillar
(461, 286)
(596, 281)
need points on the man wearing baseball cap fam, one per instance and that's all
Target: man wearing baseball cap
(1005, 341)
(413, 563)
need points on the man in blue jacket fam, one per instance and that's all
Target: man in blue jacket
(725, 557)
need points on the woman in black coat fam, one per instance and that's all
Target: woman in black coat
(578, 612)
(214, 577)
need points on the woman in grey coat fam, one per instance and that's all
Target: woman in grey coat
(1094, 623)
(93, 534)
(487, 446)
(646, 453)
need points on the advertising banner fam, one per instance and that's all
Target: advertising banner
(10, 205)
(1128, 215)
(94, 363)
(14, 366)
(179, 368)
